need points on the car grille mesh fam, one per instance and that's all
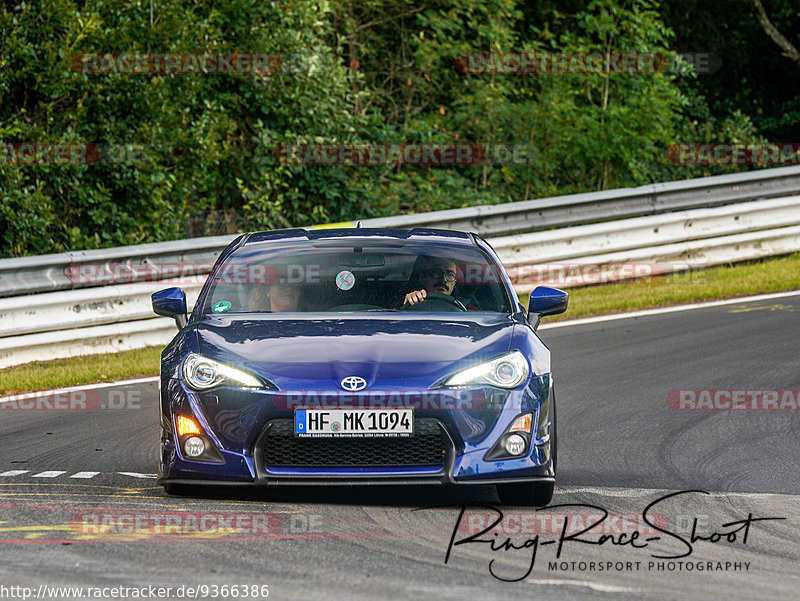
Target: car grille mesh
(428, 446)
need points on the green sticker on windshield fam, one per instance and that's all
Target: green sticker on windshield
(221, 307)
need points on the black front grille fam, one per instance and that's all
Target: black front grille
(428, 446)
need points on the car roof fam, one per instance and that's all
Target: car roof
(373, 234)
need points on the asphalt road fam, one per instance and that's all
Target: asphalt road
(79, 507)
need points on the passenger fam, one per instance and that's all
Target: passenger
(278, 298)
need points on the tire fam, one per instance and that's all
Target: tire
(178, 490)
(535, 494)
(553, 433)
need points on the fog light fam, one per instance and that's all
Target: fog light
(194, 446)
(515, 444)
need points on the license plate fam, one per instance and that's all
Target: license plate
(353, 423)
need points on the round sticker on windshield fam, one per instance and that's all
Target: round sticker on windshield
(345, 280)
(221, 307)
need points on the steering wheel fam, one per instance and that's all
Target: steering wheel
(452, 303)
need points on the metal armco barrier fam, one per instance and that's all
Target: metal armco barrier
(123, 264)
(63, 271)
(77, 320)
(592, 207)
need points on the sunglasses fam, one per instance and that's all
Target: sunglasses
(439, 274)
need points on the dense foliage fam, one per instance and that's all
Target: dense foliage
(202, 147)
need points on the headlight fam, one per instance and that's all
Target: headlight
(508, 371)
(202, 373)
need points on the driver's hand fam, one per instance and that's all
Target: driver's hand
(416, 296)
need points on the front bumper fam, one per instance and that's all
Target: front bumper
(236, 422)
(347, 481)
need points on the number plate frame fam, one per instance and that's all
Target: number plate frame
(354, 423)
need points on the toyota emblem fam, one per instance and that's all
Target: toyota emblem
(353, 383)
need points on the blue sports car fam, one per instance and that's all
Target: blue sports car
(359, 356)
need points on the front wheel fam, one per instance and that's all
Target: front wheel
(534, 494)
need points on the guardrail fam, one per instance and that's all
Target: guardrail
(592, 207)
(119, 317)
(132, 263)
(43, 273)
(671, 242)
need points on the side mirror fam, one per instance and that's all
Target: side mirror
(171, 303)
(546, 301)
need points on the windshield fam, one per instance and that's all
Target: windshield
(362, 275)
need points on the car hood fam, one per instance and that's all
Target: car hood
(314, 351)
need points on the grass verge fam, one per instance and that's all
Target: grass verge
(44, 375)
(744, 279)
(778, 274)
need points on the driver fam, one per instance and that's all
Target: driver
(431, 274)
